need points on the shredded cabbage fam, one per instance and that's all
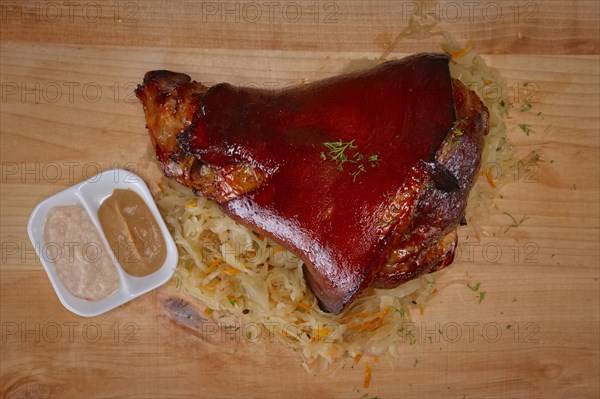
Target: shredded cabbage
(234, 271)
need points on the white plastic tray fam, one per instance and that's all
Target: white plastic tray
(90, 194)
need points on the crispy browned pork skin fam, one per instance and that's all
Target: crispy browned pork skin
(364, 176)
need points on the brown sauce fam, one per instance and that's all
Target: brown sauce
(132, 233)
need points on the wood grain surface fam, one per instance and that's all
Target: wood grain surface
(67, 112)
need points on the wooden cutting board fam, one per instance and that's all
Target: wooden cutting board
(67, 111)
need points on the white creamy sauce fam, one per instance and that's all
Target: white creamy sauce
(82, 262)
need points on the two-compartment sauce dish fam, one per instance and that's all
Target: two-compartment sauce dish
(103, 242)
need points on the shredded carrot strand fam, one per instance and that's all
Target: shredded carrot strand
(357, 358)
(367, 381)
(319, 333)
(462, 52)
(303, 306)
(277, 249)
(490, 178)
(213, 265)
(286, 335)
(353, 315)
(210, 288)
(231, 271)
(368, 325)
(373, 324)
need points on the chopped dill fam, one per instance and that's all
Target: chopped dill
(401, 311)
(474, 288)
(374, 160)
(514, 221)
(481, 296)
(526, 128)
(456, 133)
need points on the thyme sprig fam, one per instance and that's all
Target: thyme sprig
(337, 151)
(346, 152)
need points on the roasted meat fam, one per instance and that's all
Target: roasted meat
(364, 176)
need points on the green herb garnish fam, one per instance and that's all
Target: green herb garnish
(526, 128)
(514, 223)
(456, 133)
(525, 107)
(337, 151)
(342, 153)
(474, 288)
(481, 296)
(374, 159)
(401, 311)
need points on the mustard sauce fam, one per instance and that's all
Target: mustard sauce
(132, 233)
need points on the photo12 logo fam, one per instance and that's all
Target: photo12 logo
(70, 332)
(470, 332)
(268, 12)
(66, 172)
(471, 11)
(65, 91)
(68, 11)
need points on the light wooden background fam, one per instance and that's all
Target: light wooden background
(67, 74)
